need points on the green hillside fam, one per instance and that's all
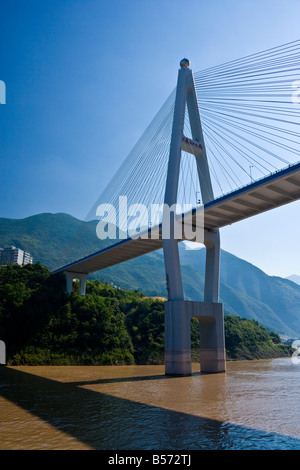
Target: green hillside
(245, 290)
(41, 324)
(52, 239)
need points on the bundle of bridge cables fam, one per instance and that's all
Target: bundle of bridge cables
(249, 109)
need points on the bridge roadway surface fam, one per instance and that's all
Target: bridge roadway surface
(267, 193)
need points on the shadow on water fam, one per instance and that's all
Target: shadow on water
(106, 422)
(128, 379)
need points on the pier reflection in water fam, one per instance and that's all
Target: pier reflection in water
(253, 406)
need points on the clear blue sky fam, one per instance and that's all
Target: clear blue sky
(85, 77)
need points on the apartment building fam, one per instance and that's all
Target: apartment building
(13, 255)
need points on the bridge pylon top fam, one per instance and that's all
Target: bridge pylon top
(185, 63)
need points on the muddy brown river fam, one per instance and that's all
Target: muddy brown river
(254, 405)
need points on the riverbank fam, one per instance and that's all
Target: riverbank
(42, 325)
(244, 340)
(34, 356)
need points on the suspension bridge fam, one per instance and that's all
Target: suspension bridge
(225, 145)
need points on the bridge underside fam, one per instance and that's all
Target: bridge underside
(273, 191)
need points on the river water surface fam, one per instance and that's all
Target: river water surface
(254, 405)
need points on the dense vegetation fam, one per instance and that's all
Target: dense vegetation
(245, 290)
(41, 324)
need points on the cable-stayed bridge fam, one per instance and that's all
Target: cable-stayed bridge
(224, 146)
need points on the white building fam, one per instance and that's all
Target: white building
(13, 255)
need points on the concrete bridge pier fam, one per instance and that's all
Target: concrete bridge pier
(70, 276)
(177, 338)
(212, 341)
(178, 315)
(179, 312)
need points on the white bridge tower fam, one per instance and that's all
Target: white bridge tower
(179, 312)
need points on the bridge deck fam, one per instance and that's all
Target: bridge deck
(268, 193)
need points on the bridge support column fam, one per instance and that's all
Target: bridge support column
(177, 338)
(212, 265)
(178, 315)
(70, 276)
(69, 281)
(212, 341)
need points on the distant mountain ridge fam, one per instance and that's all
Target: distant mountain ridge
(295, 278)
(245, 290)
